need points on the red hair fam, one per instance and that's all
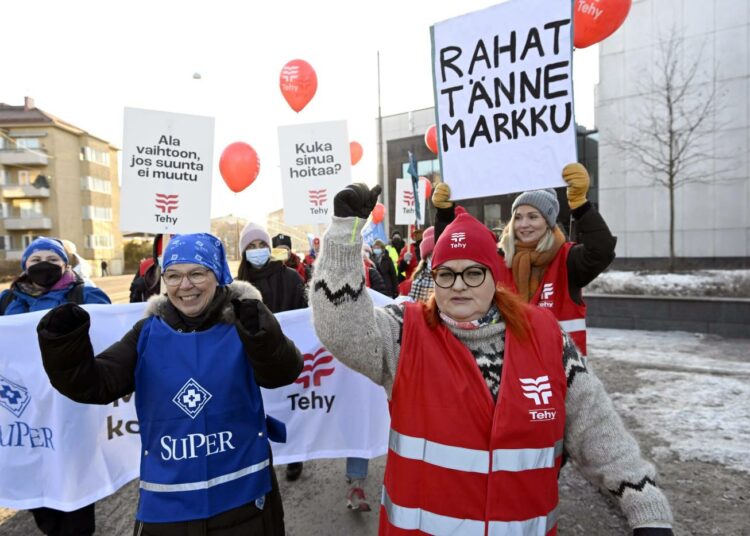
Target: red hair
(513, 310)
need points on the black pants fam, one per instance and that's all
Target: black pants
(51, 522)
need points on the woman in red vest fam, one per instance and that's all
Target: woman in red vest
(484, 392)
(538, 262)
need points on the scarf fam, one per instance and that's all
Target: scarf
(491, 317)
(529, 264)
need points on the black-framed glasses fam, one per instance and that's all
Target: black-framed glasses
(173, 278)
(473, 276)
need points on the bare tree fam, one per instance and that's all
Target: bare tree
(670, 136)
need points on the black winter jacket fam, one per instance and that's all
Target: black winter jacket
(74, 371)
(282, 287)
(387, 271)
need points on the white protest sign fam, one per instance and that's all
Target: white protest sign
(315, 165)
(405, 202)
(167, 161)
(504, 97)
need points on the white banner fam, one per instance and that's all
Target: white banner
(167, 163)
(504, 97)
(315, 165)
(65, 455)
(405, 202)
(55, 452)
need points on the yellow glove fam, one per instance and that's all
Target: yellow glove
(578, 184)
(441, 196)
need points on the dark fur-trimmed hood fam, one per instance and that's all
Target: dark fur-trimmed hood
(160, 305)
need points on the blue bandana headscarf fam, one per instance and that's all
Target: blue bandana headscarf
(43, 244)
(199, 248)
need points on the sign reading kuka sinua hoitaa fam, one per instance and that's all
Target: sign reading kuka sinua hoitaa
(167, 162)
(315, 165)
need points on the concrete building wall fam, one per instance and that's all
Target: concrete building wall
(712, 219)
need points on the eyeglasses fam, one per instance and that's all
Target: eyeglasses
(473, 276)
(173, 278)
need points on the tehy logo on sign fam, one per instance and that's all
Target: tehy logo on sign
(537, 389)
(13, 397)
(408, 198)
(458, 240)
(318, 197)
(545, 296)
(167, 203)
(192, 398)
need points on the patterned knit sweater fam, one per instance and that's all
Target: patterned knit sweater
(368, 339)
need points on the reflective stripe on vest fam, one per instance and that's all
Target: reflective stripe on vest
(192, 486)
(579, 324)
(471, 460)
(406, 518)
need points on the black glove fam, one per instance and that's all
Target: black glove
(355, 200)
(246, 313)
(63, 319)
(651, 531)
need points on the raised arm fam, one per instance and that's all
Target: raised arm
(362, 336)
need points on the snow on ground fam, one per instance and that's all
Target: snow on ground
(727, 283)
(694, 392)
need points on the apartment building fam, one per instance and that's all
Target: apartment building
(56, 179)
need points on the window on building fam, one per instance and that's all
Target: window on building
(425, 168)
(95, 155)
(27, 208)
(28, 143)
(6, 243)
(97, 213)
(4, 212)
(99, 242)
(24, 177)
(95, 184)
(3, 174)
(26, 240)
(493, 216)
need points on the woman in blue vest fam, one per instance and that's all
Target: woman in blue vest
(48, 280)
(196, 363)
(484, 392)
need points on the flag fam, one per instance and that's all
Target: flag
(412, 170)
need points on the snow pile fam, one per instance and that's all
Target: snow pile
(725, 283)
(693, 392)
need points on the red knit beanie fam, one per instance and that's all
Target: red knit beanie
(467, 238)
(428, 243)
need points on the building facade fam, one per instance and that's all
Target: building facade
(712, 192)
(57, 180)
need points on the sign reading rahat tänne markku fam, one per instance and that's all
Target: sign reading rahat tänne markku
(167, 161)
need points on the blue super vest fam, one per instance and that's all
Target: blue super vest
(203, 428)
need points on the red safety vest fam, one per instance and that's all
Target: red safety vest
(553, 294)
(459, 463)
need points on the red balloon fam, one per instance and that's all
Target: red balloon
(239, 165)
(355, 152)
(427, 187)
(430, 139)
(298, 83)
(378, 213)
(595, 21)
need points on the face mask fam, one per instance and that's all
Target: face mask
(258, 257)
(377, 251)
(280, 254)
(397, 243)
(44, 274)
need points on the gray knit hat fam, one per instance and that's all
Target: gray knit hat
(545, 201)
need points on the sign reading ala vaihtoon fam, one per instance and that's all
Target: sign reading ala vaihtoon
(315, 165)
(166, 172)
(504, 97)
